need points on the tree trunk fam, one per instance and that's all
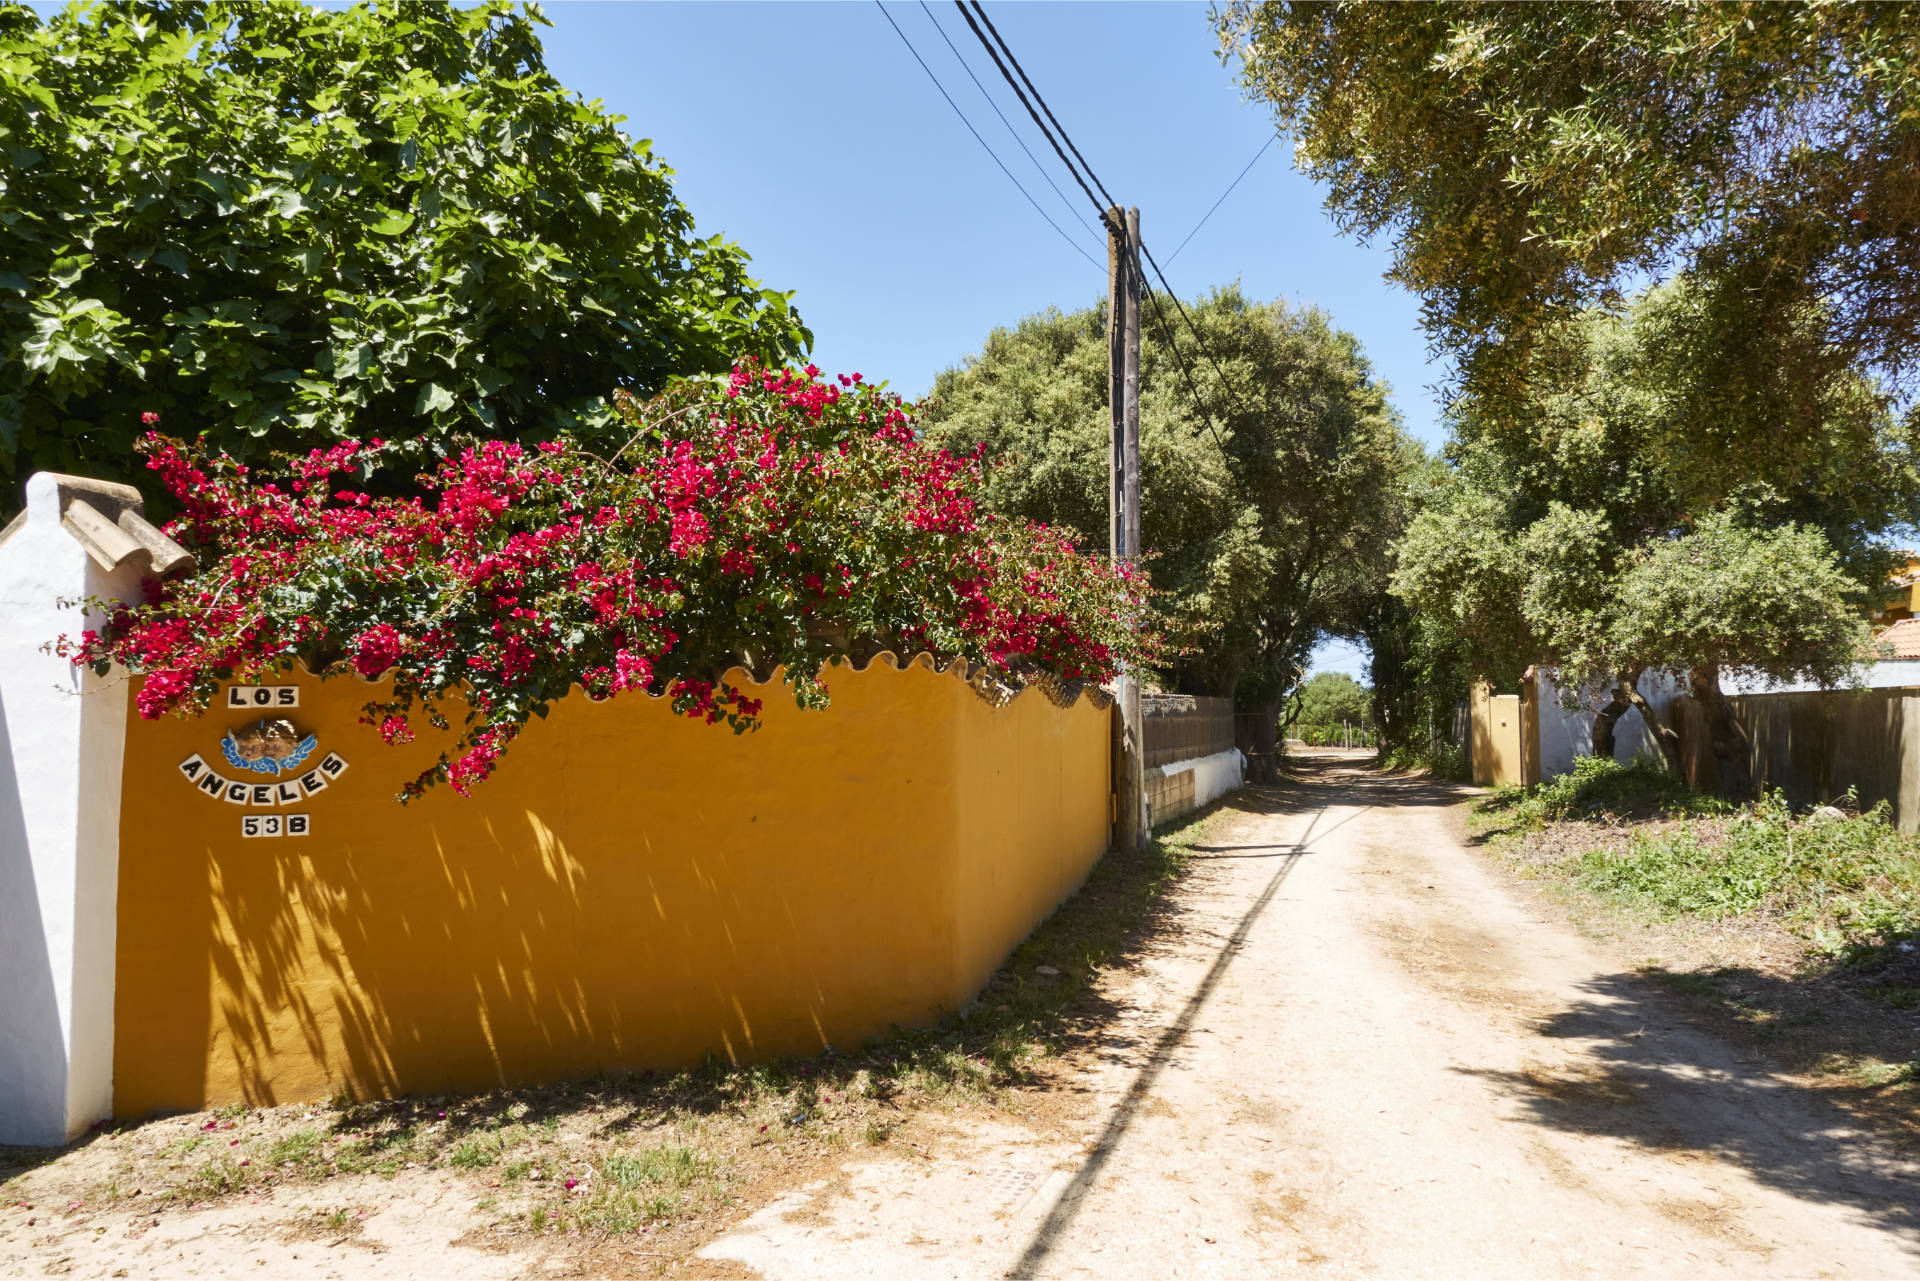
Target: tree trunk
(1603, 723)
(1662, 734)
(1260, 742)
(1732, 750)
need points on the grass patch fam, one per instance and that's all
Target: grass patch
(626, 1191)
(1446, 761)
(298, 1148)
(669, 1166)
(1596, 788)
(1848, 884)
(217, 1178)
(1795, 935)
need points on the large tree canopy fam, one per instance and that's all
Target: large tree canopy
(1599, 528)
(280, 225)
(1261, 538)
(1530, 159)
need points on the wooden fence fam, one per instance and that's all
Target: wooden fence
(1182, 727)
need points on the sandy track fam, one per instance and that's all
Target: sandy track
(1362, 1054)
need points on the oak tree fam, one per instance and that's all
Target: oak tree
(1260, 499)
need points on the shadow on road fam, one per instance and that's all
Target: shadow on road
(1685, 1092)
(1689, 1094)
(1286, 798)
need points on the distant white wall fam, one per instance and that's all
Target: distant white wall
(1894, 673)
(1216, 775)
(62, 738)
(1567, 732)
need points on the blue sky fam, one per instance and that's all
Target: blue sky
(807, 133)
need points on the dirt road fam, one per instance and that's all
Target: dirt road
(1364, 1053)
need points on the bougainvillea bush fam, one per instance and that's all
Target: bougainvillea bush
(769, 522)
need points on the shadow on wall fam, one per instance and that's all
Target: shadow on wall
(1557, 725)
(33, 1061)
(631, 889)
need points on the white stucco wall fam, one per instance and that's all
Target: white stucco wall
(62, 736)
(1892, 673)
(1216, 775)
(1567, 733)
(1213, 776)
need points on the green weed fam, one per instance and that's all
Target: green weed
(1597, 787)
(486, 1147)
(218, 1177)
(1846, 881)
(297, 1148)
(186, 1146)
(669, 1166)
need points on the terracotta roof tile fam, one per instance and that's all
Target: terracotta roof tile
(1903, 636)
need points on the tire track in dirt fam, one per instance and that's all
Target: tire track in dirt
(1373, 1058)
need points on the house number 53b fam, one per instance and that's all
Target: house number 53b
(275, 825)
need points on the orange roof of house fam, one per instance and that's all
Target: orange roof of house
(1904, 636)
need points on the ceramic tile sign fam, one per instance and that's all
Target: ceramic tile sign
(241, 698)
(275, 761)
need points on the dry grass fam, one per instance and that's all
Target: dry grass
(662, 1161)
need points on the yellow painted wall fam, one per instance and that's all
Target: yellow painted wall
(630, 889)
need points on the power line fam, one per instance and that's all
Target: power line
(1200, 404)
(1044, 131)
(1071, 207)
(981, 10)
(976, 133)
(1160, 315)
(1223, 195)
(1198, 337)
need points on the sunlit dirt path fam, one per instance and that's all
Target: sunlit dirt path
(1362, 1053)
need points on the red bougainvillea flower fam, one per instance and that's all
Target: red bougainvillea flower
(769, 524)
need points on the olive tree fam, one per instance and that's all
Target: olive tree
(1527, 160)
(1598, 529)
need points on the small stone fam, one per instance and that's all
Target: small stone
(1828, 811)
(1046, 971)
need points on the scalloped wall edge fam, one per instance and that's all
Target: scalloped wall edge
(991, 686)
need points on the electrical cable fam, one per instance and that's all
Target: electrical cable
(1198, 337)
(1160, 315)
(1139, 245)
(981, 10)
(976, 134)
(1223, 195)
(1041, 169)
(1044, 131)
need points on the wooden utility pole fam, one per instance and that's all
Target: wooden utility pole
(1130, 826)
